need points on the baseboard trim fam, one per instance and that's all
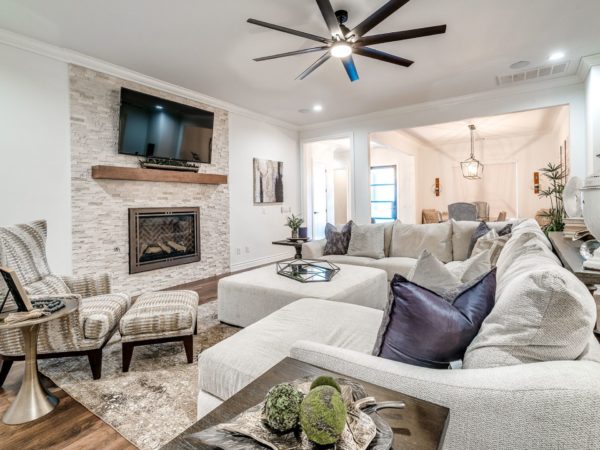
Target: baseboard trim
(259, 261)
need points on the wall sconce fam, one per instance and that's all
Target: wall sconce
(437, 187)
(536, 183)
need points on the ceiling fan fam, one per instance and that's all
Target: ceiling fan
(344, 42)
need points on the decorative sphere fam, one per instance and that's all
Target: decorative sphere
(325, 381)
(282, 407)
(323, 415)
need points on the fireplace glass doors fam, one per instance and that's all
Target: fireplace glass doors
(163, 237)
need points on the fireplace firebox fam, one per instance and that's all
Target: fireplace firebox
(163, 237)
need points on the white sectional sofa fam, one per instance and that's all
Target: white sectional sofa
(541, 405)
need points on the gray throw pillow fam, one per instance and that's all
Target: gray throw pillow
(367, 240)
(337, 240)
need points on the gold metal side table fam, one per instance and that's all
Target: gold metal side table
(32, 401)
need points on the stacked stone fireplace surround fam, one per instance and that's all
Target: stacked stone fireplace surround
(100, 207)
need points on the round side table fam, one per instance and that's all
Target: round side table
(33, 401)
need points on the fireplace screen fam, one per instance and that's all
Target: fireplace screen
(163, 237)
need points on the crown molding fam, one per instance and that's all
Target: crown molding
(586, 64)
(72, 57)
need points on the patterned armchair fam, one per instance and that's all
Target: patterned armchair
(85, 331)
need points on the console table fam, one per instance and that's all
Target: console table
(568, 253)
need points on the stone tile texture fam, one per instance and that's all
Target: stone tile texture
(100, 207)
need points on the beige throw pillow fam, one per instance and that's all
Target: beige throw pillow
(367, 240)
(409, 241)
(493, 243)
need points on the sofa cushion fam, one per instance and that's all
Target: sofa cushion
(394, 265)
(230, 365)
(462, 232)
(337, 240)
(430, 273)
(493, 243)
(410, 240)
(388, 229)
(352, 260)
(424, 329)
(472, 268)
(542, 315)
(367, 240)
(101, 314)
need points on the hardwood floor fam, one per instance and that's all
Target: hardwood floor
(71, 426)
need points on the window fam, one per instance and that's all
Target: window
(383, 194)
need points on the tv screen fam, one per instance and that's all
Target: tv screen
(153, 127)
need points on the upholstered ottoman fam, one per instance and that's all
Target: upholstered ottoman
(247, 297)
(159, 317)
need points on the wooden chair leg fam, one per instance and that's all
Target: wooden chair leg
(188, 343)
(95, 359)
(127, 354)
(6, 365)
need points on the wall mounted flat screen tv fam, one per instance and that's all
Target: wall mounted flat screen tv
(156, 128)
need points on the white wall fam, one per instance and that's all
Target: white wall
(592, 92)
(35, 173)
(254, 227)
(501, 101)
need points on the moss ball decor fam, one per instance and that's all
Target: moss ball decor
(282, 407)
(323, 415)
(325, 381)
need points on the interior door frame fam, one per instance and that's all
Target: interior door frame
(306, 174)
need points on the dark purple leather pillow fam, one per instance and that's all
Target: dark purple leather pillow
(424, 329)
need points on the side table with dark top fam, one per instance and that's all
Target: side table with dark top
(420, 425)
(296, 244)
(567, 251)
(32, 401)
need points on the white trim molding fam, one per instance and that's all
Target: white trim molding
(249, 264)
(586, 64)
(72, 57)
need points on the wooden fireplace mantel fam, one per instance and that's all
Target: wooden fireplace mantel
(157, 175)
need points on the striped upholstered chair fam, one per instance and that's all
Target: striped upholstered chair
(86, 330)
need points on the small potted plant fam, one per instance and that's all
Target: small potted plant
(294, 223)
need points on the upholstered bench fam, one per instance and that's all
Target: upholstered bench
(247, 297)
(159, 317)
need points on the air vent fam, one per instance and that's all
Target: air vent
(555, 70)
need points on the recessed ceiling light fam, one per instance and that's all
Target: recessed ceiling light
(317, 108)
(556, 56)
(341, 50)
(158, 107)
(520, 65)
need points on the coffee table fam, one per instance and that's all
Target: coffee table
(33, 401)
(420, 426)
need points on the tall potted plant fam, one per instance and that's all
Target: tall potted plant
(556, 175)
(294, 223)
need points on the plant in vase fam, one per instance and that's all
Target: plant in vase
(294, 223)
(555, 174)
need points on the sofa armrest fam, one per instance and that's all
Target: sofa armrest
(89, 285)
(506, 407)
(314, 249)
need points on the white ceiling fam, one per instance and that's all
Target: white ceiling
(207, 46)
(524, 123)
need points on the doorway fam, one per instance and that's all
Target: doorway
(327, 172)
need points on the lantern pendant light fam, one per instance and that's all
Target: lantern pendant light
(472, 169)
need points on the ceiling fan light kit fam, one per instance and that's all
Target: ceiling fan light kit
(344, 43)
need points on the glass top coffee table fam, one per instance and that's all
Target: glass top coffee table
(420, 426)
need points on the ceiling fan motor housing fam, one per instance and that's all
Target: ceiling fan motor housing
(342, 16)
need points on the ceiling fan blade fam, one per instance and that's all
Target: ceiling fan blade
(297, 52)
(350, 68)
(377, 17)
(382, 56)
(401, 35)
(318, 63)
(312, 37)
(330, 18)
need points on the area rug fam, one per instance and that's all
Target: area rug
(156, 400)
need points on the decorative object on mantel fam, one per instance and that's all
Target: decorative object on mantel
(268, 181)
(168, 164)
(556, 213)
(294, 223)
(472, 169)
(362, 427)
(166, 176)
(591, 215)
(307, 270)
